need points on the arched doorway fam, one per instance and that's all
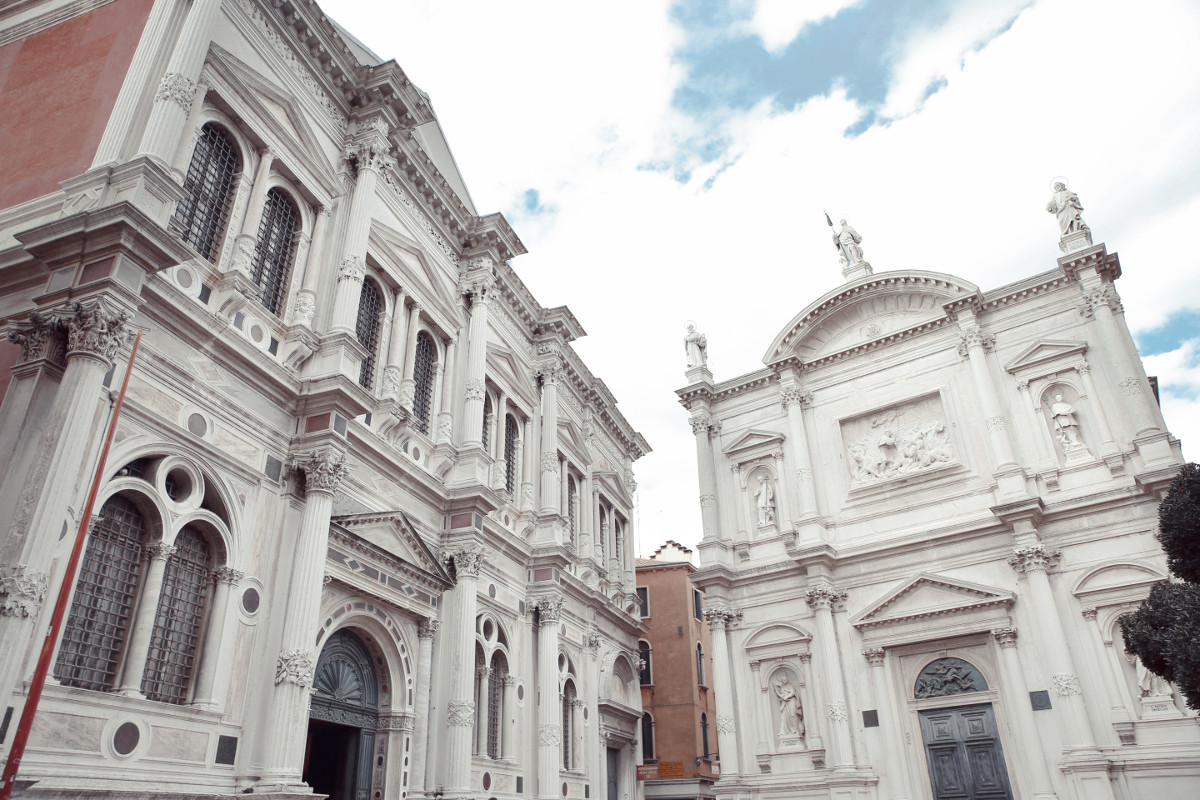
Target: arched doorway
(342, 720)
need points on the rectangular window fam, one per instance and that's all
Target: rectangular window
(697, 604)
(643, 594)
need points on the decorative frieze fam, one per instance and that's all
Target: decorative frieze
(323, 470)
(353, 268)
(836, 711)
(1033, 557)
(402, 723)
(1005, 637)
(1065, 684)
(295, 666)
(178, 89)
(460, 713)
(22, 591)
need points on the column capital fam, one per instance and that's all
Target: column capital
(353, 268)
(478, 287)
(805, 658)
(721, 617)
(228, 575)
(1005, 637)
(160, 551)
(824, 597)
(874, 656)
(972, 337)
(323, 470)
(1088, 612)
(1033, 558)
(427, 628)
(178, 89)
(790, 394)
(44, 336)
(549, 609)
(467, 561)
(700, 423)
(1105, 294)
(1083, 367)
(95, 331)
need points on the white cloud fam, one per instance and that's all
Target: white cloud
(778, 22)
(572, 100)
(1178, 374)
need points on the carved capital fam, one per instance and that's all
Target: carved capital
(1083, 367)
(719, 618)
(323, 470)
(353, 268)
(93, 330)
(973, 336)
(1005, 637)
(549, 610)
(805, 658)
(824, 598)
(460, 713)
(478, 287)
(700, 423)
(1033, 558)
(550, 462)
(177, 89)
(22, 591)
(228, 575)
(874, 656)
(1089, 613)
(45, 337)
(468, 562)
(427, 628)
(792, 395)
(158, 551)
(295, 666)
(1103, 295)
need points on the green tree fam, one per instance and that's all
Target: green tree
(1165, 631)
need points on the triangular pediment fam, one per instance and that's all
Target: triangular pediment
(392, 532)
(754, 439)
(402, 257)
(1044, 353)
(927, 595)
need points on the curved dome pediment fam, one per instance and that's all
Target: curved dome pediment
(866, 310)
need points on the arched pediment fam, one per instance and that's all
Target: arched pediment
(875, 307)
(777, 634)
(1114, 583)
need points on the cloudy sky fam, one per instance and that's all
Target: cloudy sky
(670, 161)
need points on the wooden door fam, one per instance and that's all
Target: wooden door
(614, 758)
(962, 746)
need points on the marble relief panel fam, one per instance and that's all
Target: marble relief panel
(901, 440)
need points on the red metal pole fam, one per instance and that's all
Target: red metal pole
(60, 604)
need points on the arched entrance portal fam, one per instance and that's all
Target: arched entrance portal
(342, 720)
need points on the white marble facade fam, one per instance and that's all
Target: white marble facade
(415, 575)
(966, 485)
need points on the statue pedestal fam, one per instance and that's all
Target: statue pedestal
(791, 743)
(698, 374)
(1078, 240)
(1159, 706)
(859, 269)
(1077, 454)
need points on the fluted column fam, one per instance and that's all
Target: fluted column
(528, 464)
(408, 386)
(91, 335)
(508, 720)
(479, 289)
(1033, 752)
(972, 344)
(727, 732)
(143, 624)
(1118, 695)
(1033, 561)
(821, 601)
(810, 698)
(597, 528)
(393, 373)
(794, 400)
(323, 471)
(1107, 444)
(371, 156)
(305, 308)
(703, 429)
(895, 781)
(549, 715)
(177, 89)
(224, 581)
(1048, 457)
(446, 414)
(549, 460)
(483, 680)
(247, 238)
(762, 717)
(784, 511)
(426, 632)
(461, 710)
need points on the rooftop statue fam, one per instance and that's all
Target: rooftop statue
(1073, 232)
(696, 347)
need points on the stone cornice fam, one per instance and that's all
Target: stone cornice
(346, 540)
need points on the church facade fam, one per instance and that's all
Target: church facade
(922, 521)
(365, 526)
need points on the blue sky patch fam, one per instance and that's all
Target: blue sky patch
(1179, 327)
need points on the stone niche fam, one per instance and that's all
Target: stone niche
(898, 441)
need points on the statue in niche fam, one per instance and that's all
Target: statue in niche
(791, 713)
(1064, 204)
(1065, 424)
(696, 347)
(765, 496)
(849, 242)
(1149, 684)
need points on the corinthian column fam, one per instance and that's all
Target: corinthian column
(972, 344)
(549, 715)
(794, 400)
(894, 779)
(479, 288)
(143, 624)
(727, 730)
(704, 428)
(206, 696)
(323, 472)
(426, 632)
(549, 461)
(821, 601)
(371, 156)
(460, 710)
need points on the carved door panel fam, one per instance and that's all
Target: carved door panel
(614, 759)
(962, 747)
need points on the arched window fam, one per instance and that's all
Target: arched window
(495, 705)
(568, 728)
(647, 737)
(510, 454)
(366, 329)
(175, 640)
(704, 735)
(208, 190)
(646, 676)
(487, 422)
(104, 597)
(699, 663)
(424, 367)
(276, 245)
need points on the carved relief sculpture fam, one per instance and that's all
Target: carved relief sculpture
(897, 442)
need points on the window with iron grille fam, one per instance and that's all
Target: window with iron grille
(494, 709)
(647, 737)
(510, 454)
(487, 413)
(568, 705)
(175, 640)
(208, 190)
(645, 676)
(370, 306)
(104, 596)
(276, 246)
(424, 367)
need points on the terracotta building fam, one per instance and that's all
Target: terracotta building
(679, 733)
